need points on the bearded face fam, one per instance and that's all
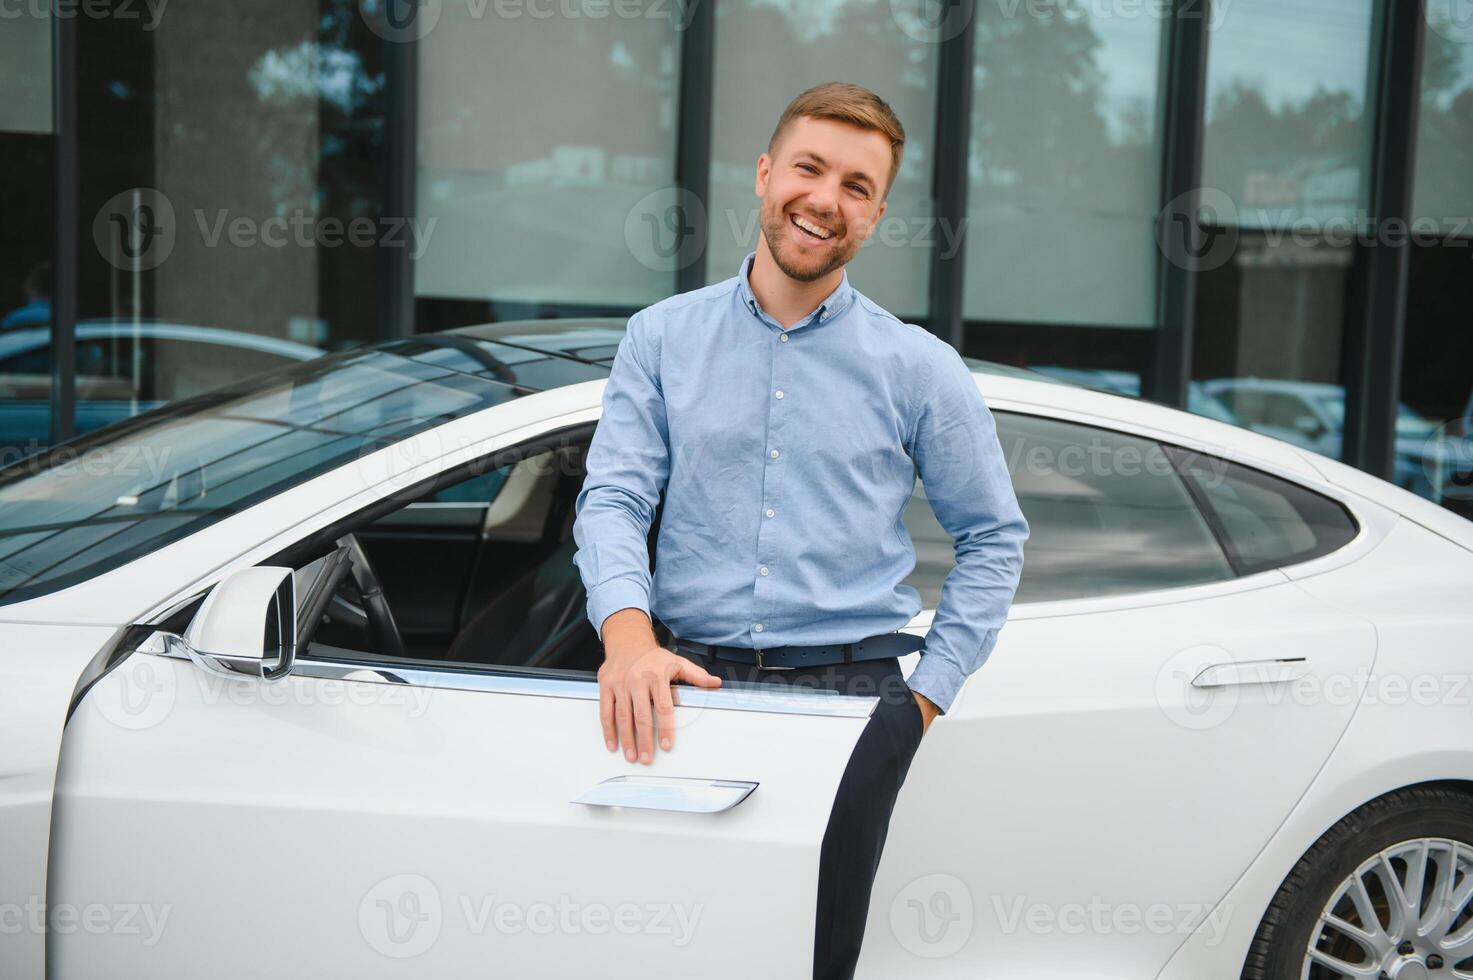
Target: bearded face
(821, 191)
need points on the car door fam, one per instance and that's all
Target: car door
(361, 818)
(1086, 803)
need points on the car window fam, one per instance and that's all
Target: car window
(1107, 513)
(1266, 522)
(106, 498)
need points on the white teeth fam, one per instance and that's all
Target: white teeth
(811, 228)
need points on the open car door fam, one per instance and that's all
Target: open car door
(352, 815)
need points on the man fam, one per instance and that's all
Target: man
(786, 416)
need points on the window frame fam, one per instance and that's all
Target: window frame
(1220, 531)
(1371, 524)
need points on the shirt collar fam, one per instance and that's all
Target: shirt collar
(836, 303)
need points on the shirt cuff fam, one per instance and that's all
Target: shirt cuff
(938, 679)
(610, 597)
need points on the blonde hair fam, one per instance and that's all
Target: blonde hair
(852, 104)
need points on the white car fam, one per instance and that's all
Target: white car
(296, 680)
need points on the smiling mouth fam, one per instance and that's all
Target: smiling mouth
(811, 229)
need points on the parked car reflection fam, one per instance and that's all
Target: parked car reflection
(1199, 402)
(124, 367)
(1312, 414)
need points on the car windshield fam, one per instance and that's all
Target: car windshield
(104, 499)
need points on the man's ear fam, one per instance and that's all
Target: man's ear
(869, 229)
(764, 171)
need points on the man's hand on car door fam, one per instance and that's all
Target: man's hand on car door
(634, 696)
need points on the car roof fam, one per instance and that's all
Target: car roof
(19, 339)
(595, 340)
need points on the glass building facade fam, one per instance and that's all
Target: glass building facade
(1257, 210)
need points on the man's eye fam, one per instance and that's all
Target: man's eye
(808, 167)
(859, 189)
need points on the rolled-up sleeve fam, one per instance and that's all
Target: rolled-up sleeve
(628, 464)
(965, 475)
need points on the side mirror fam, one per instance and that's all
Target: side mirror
(1309, 425)
(246, 627)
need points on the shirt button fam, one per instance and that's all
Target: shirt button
(778, 393)
(757, 627)
(773, 454)
(783, 337)
(764, 569)
(770, 512)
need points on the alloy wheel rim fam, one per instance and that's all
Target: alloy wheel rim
(1404, 914)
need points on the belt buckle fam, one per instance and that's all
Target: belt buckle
(762, 666)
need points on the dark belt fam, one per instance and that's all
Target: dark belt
(789, 657)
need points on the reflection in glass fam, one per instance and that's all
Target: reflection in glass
(27, 165)
(1437, 361)
(1064, 166)
(1286, 158)
(1286, 103)
(1107, 512)
(771, 51)
(539, 136)
(105, 499)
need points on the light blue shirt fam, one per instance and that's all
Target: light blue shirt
(787, 458)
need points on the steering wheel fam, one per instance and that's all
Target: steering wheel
(375, 614)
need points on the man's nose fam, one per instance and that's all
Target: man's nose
(824, 199)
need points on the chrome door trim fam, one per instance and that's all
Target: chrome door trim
(732, 696)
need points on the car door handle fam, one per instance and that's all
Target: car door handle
(675, 793)
(1252, 672)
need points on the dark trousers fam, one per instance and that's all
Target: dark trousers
(860, 818)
